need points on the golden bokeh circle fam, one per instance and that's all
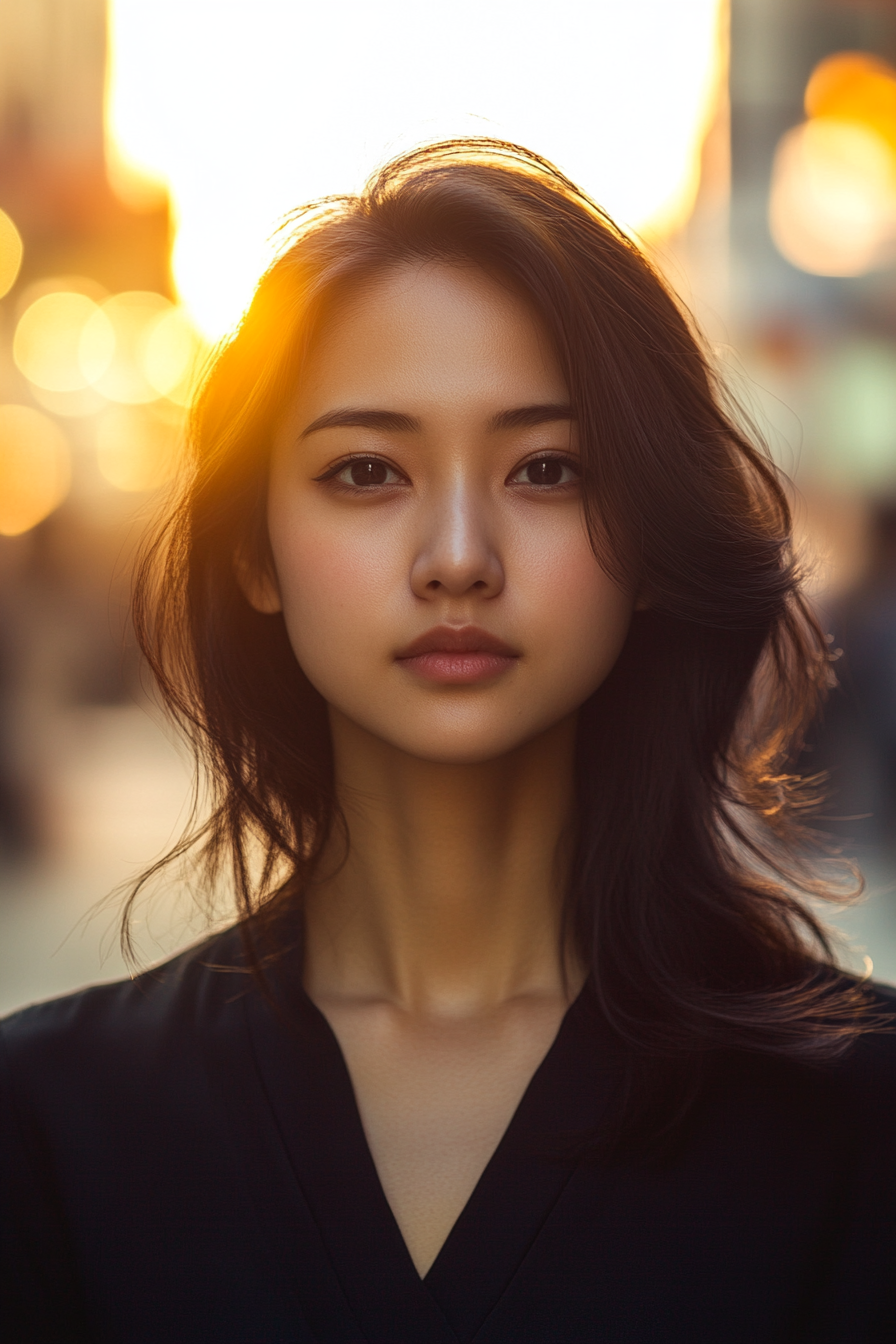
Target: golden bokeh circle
(35, 468)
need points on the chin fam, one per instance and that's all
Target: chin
(469, 744)
(466, 753)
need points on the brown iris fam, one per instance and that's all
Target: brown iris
(369, 472)
(546, 471)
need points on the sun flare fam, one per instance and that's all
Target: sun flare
(243, 111)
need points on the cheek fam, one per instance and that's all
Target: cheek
(585, 624)
(332, 583)
(582, 614)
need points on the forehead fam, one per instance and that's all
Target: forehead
(431, 332)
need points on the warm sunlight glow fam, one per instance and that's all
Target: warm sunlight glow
(833, 198)
(246, 109)
(854, 86)
(172, 355)
(10, 253)
(63, 342)
(138, 447)
(80, 351)
(131, 318)
(832, 208)
(35, 468)
(84, 401)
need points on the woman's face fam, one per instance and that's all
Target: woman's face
(425, 516)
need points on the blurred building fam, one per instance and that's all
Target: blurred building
(64, 579)
(53, 180)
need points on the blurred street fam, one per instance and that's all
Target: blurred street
(117, 794)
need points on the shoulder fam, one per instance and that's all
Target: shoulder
(119, 1028)
(848, 1098)
(868, 1072)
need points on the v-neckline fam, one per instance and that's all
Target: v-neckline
(310, 1093)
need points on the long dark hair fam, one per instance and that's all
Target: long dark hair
(687, 890)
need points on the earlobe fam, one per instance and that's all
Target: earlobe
(258, 585)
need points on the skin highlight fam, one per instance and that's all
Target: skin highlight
(440, 591)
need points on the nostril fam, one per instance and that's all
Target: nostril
(480, 583)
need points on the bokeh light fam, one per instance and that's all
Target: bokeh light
(130, 317)
(79, 351)
(10, 253)
(258, 125)
(77, 405)
(854, 86)
(138, 448)
(832, 209)
(35, 468)
(832, 205)
(63, 342)
(173, 353)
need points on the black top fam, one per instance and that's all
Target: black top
(182, 1162)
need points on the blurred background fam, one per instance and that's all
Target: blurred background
(148, 154)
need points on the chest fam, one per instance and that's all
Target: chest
(230, 1195)
(230, 1246)
(435, 1099)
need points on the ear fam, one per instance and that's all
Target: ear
(259, 585)
(642, 602)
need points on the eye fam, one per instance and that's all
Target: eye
(545, 471)
(363, 471)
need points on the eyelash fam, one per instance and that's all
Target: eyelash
(332, 473)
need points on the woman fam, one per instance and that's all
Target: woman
(482, 612)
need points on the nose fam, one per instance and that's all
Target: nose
(457, 553)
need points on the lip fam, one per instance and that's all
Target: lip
(457, 655)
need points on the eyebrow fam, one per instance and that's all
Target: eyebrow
(391, 421)
(525, 417)
(394, 422)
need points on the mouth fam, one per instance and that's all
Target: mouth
(457, 655)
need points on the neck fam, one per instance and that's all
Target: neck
(449, 899)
